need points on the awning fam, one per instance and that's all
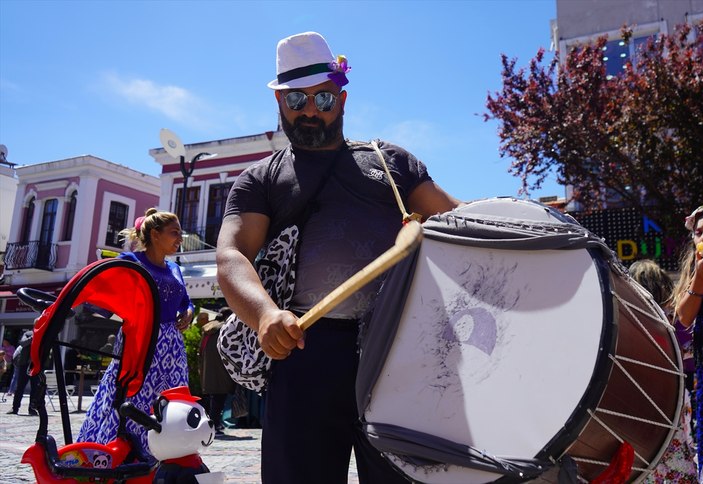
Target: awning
(10, 303)
(201, 280)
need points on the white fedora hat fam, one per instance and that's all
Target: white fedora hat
(304, 60)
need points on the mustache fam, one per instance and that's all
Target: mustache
(308, 120)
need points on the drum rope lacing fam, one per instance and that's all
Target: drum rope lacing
(660, 317)
(629, 306)
(617, 360)
(648, 365)
(618, 438)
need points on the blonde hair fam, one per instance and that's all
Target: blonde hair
(654, 279)
(687, 266)
(139, 236)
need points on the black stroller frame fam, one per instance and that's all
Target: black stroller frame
(102, 284)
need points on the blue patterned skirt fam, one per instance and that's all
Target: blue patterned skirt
(169, 368)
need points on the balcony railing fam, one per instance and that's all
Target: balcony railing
(30, 255)
(200, 238)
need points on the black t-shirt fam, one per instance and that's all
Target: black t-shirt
(353, 219)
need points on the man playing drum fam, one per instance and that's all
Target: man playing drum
(339, 190)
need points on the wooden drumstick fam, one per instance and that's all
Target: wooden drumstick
(408, 238)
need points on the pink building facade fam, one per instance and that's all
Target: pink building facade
(206, 194)
(68, 213)
(65, 214)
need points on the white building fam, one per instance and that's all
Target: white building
(65, 212)
(69, 212)
(8, 189)
(585, 20)
(206, 194)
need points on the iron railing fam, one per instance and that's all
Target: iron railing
(30, 255)
(200, 238)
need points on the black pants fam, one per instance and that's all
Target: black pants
(690, 378)
(311, 422)
(215, 405)
(22, 379)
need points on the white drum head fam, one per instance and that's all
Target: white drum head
(494, 349)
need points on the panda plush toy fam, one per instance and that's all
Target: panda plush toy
(181, 429)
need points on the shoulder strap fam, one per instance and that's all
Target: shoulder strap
(406, 216)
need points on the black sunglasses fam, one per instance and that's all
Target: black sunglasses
(324, 101)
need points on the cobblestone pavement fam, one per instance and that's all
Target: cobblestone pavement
(236, 454)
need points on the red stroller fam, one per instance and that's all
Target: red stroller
(127, 290)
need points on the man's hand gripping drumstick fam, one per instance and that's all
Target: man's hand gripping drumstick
(407, 240)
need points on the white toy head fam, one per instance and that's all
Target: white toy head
(185, 426)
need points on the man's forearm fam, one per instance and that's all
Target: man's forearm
(241, 287)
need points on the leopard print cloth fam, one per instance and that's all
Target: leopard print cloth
(238, 344)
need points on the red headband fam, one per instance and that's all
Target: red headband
(138, 223)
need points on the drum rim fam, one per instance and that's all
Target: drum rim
(594, 391)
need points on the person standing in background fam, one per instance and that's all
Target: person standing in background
(202, 319)
(688, 303)
(215, 382)
(21, 367)
(157, 235)
(8, 350)
(109, 344)
(6, 367)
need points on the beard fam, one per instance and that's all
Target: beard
(318, 136)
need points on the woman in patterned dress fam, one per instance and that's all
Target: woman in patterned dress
(688, 301)
(677, 464)
(157, 235)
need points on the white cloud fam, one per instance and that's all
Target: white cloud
(365, 121)
(176, 103)
(414, 135)
(7, 85)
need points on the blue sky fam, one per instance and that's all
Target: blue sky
(103, 77)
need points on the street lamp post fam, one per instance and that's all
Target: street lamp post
(174, 147)
(187, 172)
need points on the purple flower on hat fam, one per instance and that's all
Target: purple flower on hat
(339, 70)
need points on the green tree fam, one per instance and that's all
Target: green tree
(191, 340)
(637, 136)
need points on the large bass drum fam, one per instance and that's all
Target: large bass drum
(511, 340)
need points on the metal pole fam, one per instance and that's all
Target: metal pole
(182, 209)
(186, 172)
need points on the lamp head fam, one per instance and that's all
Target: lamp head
(172, 143)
